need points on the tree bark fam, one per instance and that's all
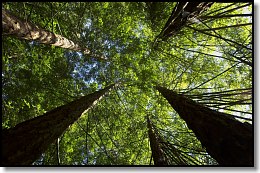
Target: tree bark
(157, 153)
(25, 142)
(23, 29)
(181, 13)
(227, 140)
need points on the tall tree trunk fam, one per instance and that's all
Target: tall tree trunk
(23, 29)
(157, 153)
(181, 14)
(58, 151)
(25, 142)
(227, 140)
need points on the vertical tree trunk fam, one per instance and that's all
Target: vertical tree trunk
(22, 29)
(58, 151)
(25, 142)
(157, 153)
(227, 140)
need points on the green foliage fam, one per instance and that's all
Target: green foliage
(37, 78)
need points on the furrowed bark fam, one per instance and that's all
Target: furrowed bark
(227, 140)
(24, 143)
(181, 14)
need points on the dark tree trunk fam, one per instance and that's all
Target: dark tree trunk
(22, 29)
(157, 153)
(181, 14)
(25, 142)
(227, 140)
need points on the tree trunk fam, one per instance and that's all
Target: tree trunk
(181, 14)
(225, 16)
(157, 153)
(23, 29)
(25, 142)
(227, 140)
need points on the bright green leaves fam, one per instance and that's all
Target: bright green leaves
(106, 4)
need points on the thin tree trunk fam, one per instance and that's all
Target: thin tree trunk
(224, 12)
(225, 16)
(157, 153)
(233, 9)
(220, 9)
(220, 37)
(227, 140)
(25, 142)
(212, 78)
(203, 53)
(23, 29)
(225, 27)
(58, 151)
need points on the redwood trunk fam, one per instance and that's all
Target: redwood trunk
(25, 142)
(227, 140)
(181, 14)
(157, 153)
(13, 25)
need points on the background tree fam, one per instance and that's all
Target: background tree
(157, 154)
(22, 29)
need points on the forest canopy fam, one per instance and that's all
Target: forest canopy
(54, 53)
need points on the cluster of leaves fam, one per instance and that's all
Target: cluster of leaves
(37, 78)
